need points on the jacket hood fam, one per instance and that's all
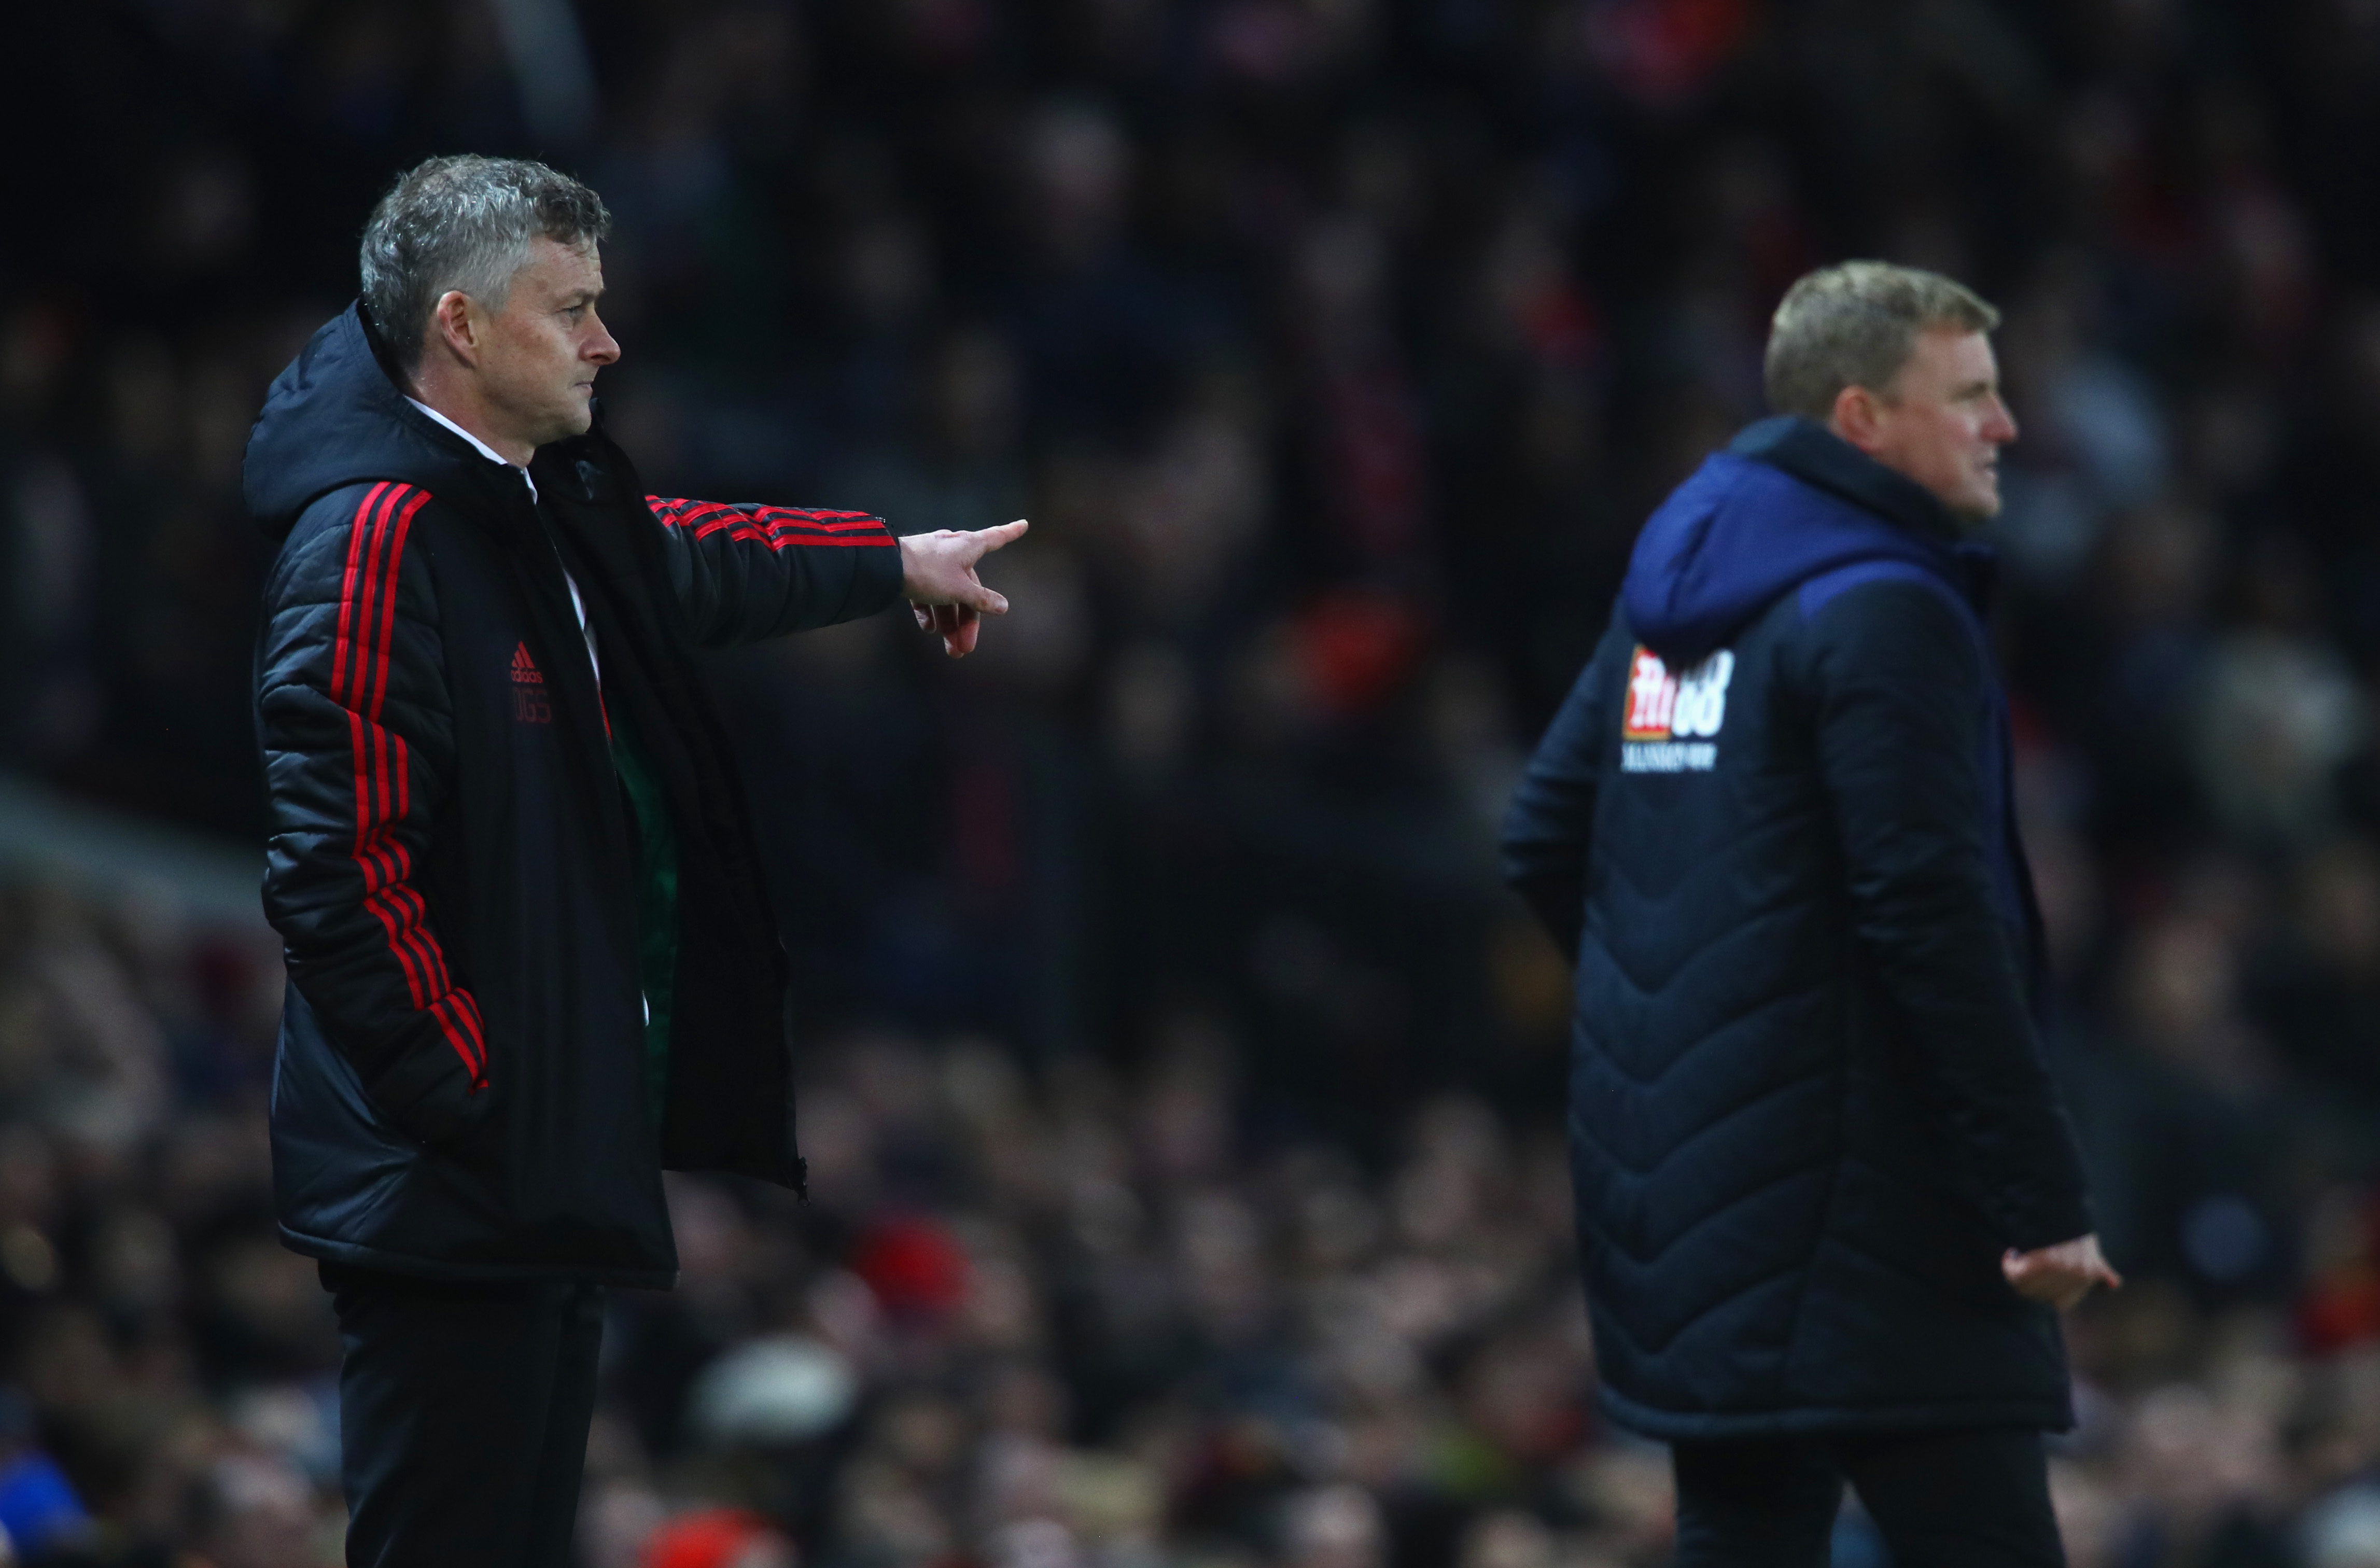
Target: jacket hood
(1787, 500)
(335, 417)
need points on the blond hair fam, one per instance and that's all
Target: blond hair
(1854, 324)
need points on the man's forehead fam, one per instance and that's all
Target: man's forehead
(565, 266)
(1957, 349)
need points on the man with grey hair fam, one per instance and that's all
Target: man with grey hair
(1828, 1199)
(531, 959)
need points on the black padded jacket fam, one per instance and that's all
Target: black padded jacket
(1809, 1105)
(459, 1089)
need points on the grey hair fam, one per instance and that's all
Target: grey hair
(1853, 325)
(464, 223)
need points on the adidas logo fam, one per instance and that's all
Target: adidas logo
(530, 704)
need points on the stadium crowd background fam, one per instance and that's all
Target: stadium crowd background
(1188, 1189)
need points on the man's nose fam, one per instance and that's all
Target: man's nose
(603, 348)
(1999, 428)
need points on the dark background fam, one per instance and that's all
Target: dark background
(1184, 1088)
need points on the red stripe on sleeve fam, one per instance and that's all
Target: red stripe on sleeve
(388, 605)
(384, 556)
(737, 528)
(416, 917)
(777, 527)
(388, 923)
(356, 746)
(339, 649)
(378, 567)
(454, 1037)
(834, 522)
(353, 606)
(359, 678)
(414, 938)
(467, 1009)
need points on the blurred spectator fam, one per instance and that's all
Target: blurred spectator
(40, 1512)
(718, 1539)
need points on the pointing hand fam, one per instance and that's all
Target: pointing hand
(937, 579)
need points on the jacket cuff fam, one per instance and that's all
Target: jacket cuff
(1561, 910)
(2038, 1219)
(875, 580)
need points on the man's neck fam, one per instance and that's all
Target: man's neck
(1808, 450)
(457, 400)
(1963, 524)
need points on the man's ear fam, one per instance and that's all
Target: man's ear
(454, 326)
(1858, 418)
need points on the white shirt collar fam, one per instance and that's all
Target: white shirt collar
(483, 448)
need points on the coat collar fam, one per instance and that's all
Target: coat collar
(1815, 455)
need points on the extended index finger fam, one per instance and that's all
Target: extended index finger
(1006, 533)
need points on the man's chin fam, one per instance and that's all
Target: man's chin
(575, 420)
(1973, 511)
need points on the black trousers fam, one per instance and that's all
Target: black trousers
(463, 1417)
(1968, 1499)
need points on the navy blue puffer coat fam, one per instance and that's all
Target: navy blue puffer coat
(1809, 1106)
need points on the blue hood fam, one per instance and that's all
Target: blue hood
(1787, 500)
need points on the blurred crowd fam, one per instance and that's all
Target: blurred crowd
(1091, 1316)
(1186, 1182)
